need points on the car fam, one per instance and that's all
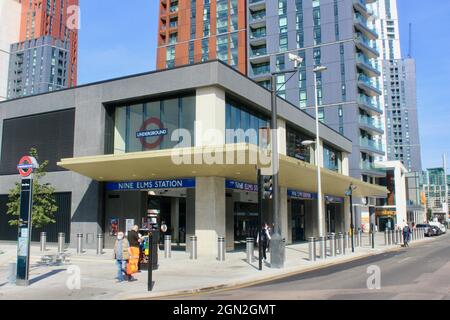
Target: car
(427, 229)
(440, 226)
(436, 230)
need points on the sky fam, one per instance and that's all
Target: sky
(118, 38)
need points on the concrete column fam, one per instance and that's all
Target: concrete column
(282, 148)
(229, 236)
(345, 164)
(190, 216)
(175, 218)
(289, 221)
(210, 117)
(284, 213)
(209, 214)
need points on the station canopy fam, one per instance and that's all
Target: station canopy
(212, 161)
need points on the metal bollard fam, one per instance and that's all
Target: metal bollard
(359, 237)
(193, 255)
(221, 249)
(346, 241)
(386, 237)
(390, 236)
(332, 244)
(79, 243)
(43, 241)
(100, 238)
(61, 242)
(323, 247)
(340, 241)
(312, 248)
(396, 236)
(250, 249)
(168, 246)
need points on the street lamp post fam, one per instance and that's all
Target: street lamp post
(349, 193)
(317, 70)
(277, 248)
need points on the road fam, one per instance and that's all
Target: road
(420, 272)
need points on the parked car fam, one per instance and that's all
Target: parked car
(436, 230)
(440, 226)
(427, 229)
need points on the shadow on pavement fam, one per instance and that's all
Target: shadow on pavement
(45, 275)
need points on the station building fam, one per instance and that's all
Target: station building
(114, 157)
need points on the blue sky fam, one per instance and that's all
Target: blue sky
(119, 39)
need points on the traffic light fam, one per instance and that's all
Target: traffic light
(267, 187)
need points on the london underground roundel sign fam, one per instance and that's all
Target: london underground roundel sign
(26, 166)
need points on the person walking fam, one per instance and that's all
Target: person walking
(133, 264)
(121, 255)
(264, 241)
(406, 235)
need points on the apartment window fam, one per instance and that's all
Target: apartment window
(283, 42)
(280, 62)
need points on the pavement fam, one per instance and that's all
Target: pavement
(89, 276)
(420, 272)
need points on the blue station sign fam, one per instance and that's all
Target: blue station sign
(151, 184)
(238, 185)
(152, 133)
(333, 199)
(301, 195)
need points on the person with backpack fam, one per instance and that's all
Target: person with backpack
(406, 235)
(265, 238)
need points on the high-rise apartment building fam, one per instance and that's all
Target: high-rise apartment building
(338, 34)
(9, 33)
(399, 98)
(193, 31)
(45, 58)
(434, 184)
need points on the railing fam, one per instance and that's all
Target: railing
(258, 16)
(368, 43)
(258, 52)
(254, 1)
(371, 144)
(261, 69)
(359, 18)
(368, 166)
(363, 59)
(368, 81)
(257, 35)
(368, 121)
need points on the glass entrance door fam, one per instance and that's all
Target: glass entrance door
(245, 221)
(298, 220)
(331, 209)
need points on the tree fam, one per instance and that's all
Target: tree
(429, 215)
(44, 203)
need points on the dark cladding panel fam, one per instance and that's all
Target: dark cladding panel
(52, 134)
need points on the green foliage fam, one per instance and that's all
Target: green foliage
(430, 214)
(44, 203)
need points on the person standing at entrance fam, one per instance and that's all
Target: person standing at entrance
(265, 238)
(133, 264)
(121, 255)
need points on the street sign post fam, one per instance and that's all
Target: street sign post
(26, 167)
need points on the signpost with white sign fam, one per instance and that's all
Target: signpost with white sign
(26, 167)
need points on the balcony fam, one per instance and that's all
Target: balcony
(371, 146)
(362, 25)
(368, 85)
(256, 5)
(369, 47)
(371, 169)
(257, 19)
(369, 104)
(361, 7)
(258, 37)
(261, 71)
(370, 67)
(371, 125)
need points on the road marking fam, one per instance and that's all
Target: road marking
(404, 259)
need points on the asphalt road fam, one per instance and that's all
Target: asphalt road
(420, 272)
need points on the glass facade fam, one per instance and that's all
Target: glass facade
(240, 117)
(294, 146)
(332, 159)
(150, 125)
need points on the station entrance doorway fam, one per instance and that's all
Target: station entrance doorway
(298, 220)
